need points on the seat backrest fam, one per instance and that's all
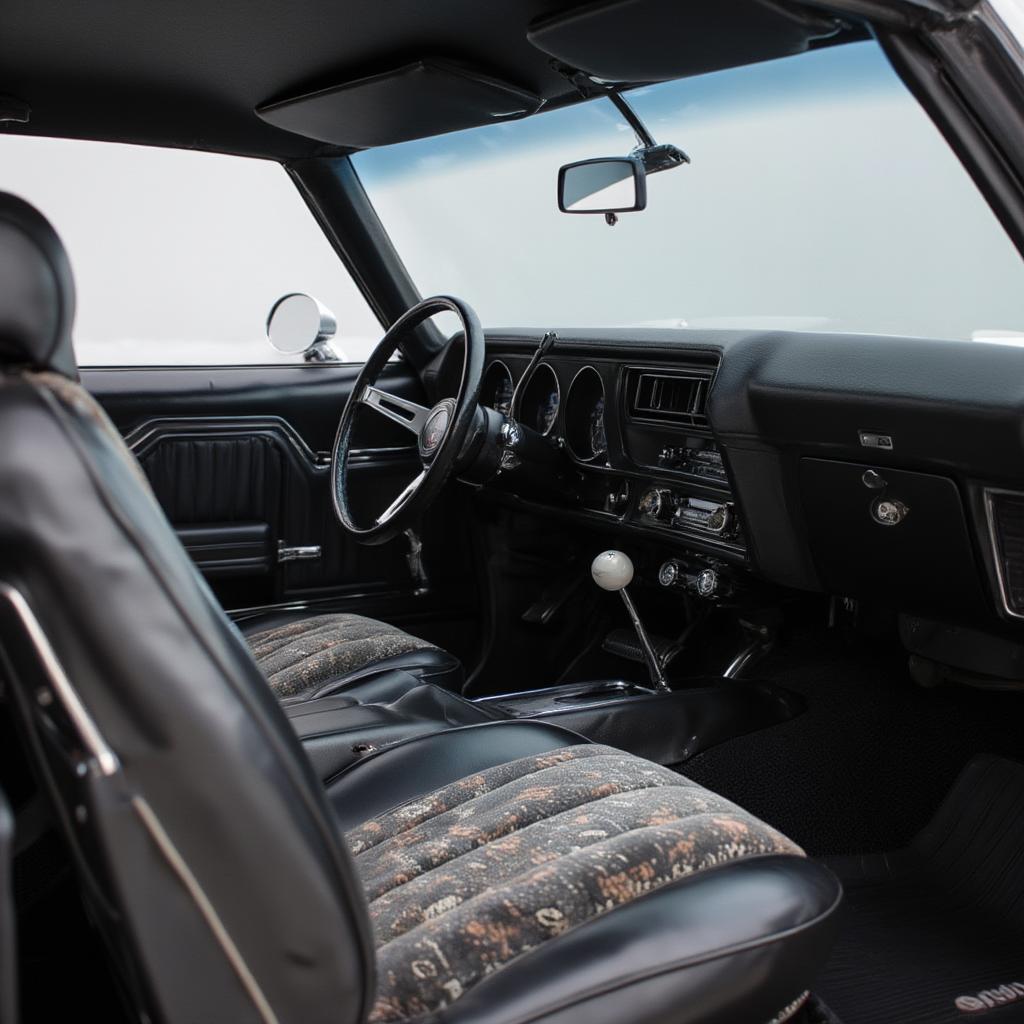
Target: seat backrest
(205, 846)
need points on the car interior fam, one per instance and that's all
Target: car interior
(651, 671)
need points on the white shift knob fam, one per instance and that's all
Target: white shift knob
(612, 570)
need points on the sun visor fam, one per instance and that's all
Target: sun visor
(657, 40)
(427, 97)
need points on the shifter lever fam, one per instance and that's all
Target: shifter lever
(613, 570)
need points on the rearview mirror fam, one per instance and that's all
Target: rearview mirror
(606, 185)
(298, 323)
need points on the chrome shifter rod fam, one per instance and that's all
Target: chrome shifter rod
(613, 570)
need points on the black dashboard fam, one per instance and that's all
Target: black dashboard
(637, 433)
(865, 467)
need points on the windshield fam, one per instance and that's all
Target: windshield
(819, 197)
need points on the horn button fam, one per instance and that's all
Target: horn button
(435, 428)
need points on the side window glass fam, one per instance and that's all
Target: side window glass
(180, 256)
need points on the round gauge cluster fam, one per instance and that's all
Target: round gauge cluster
(496, 391)
(539, 400)
(585, 416)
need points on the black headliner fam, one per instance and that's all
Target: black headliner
(188, 73)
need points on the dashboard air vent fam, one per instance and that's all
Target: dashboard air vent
(669, 396)
(1006, 522)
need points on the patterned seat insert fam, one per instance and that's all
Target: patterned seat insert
(464, 880)
(301, 657)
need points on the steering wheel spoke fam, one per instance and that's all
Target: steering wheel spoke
(407, 414)
(404, 495)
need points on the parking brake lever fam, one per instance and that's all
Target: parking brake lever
(613, 570)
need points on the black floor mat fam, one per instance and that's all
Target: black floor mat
(941, 921)
(866, 766)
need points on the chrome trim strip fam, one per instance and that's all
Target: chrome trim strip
(1004, 597)
(88, 732)
(177, 863)
(148, 434)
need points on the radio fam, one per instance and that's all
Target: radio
(663, 506)
(708, 516)
(702, 462)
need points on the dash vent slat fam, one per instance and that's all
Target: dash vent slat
(669, 396)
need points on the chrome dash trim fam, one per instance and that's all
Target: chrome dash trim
(988, 493)
(88, 732)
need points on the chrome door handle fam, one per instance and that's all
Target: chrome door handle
(297, 554)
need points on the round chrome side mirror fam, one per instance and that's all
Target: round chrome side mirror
(299, 324)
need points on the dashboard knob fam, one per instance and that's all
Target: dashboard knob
(889, 512)
(720, 520)
(618, 499)
(656, 503)
(668, 574)
(707, 583)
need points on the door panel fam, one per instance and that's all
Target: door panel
(239, 458)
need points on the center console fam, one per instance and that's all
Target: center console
(337, 731)
(662, 724)
(667, 727)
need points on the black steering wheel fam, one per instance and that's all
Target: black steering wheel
(441, 431)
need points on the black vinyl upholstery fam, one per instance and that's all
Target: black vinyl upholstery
(207, 849)
(206, 771)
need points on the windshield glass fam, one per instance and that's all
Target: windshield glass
(819, 197)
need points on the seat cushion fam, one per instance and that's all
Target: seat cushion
(342, 653)
(464, 880)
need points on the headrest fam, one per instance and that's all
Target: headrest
(37, 292)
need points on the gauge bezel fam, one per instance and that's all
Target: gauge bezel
(499, 364)
(522, 391)
(573, 447)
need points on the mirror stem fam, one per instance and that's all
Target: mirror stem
(643, 136)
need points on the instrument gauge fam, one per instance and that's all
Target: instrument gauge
(585, 432)
(497, 390)
(538, 400)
